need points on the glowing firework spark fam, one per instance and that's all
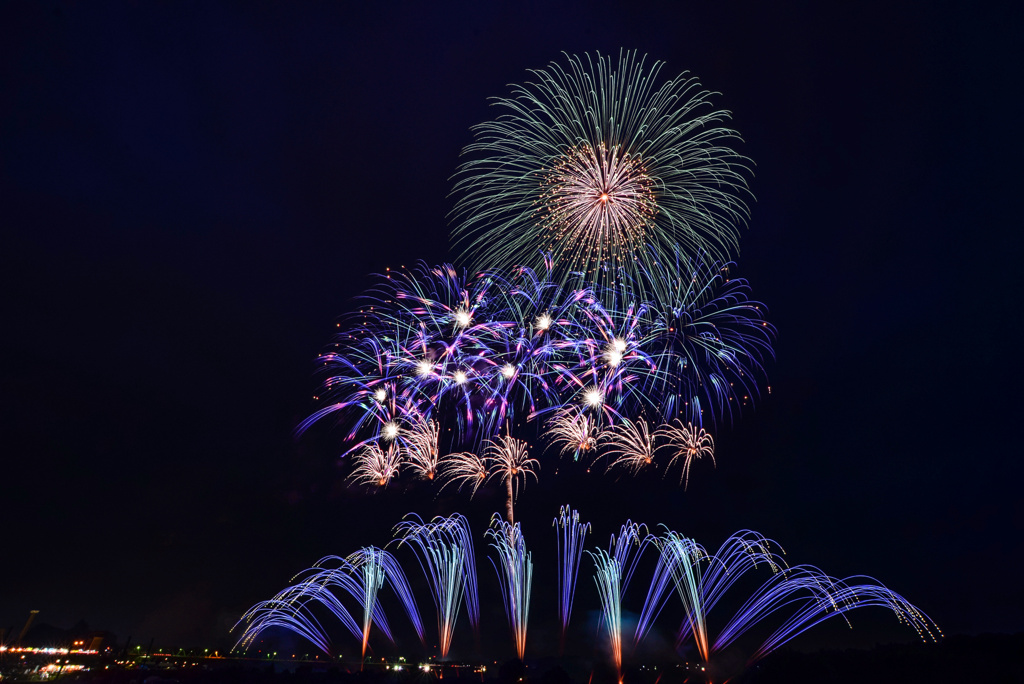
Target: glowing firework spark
(686, 443)
(375, 466)
(509, 462)
(598, 164)
(515, 575)
(570, 535)
(573, 431)
(630, 445)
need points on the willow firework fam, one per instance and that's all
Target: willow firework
(605, 166)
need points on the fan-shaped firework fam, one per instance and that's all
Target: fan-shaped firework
(687, 444)
(376, 465)
(465, 469)
(630, 445)
(573, 431)
(604, 165)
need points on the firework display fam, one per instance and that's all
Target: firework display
(598, 214)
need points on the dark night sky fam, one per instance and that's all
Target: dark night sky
(191, 194)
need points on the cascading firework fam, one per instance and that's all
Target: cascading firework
(613, 571)
(570, 534)
(361, 576)
(514, 569)
(444, 549)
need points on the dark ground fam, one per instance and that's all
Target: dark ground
(985, 658)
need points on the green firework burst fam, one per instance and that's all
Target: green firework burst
(599, 164)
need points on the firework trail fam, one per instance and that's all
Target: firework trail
(808, 595)
(682, 557)
(368, 563)
(597, 164)
(444, 549)
(613, 571)
(570, 537)
(708, 338)
(292, 609)
(509, 462)
(817, 597)
(515, 575)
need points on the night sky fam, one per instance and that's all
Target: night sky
(191, 194)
